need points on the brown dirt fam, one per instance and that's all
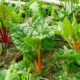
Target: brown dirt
(6, 59)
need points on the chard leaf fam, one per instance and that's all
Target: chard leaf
(67, 27)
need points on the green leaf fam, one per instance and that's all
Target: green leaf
(67, 28)
(56, 57)
(74, 23)
(5, 12)
(18, 33)
(31, 41)
(3, 74)
(7, 24)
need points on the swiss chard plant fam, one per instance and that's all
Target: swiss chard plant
(5, 15)
(29, 38)
(70, 32)
(40, 31)
(33, 37)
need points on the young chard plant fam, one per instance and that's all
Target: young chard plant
(34, 42)
(40, 31)
(29, 38)
(32, 36)
(71, 32)
(5, 16)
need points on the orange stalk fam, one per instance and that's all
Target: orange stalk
(38, 62)
(76, 46)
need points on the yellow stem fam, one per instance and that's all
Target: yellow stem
(68, 42)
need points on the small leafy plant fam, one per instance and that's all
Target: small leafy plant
(31, 36)
(68, 61)
(16, 71)
(5, 15)
(70, 32)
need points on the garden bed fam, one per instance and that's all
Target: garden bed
(40, 40)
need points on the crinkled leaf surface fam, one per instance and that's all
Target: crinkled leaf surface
(38, 30)
(5, 12)
(18, 33)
